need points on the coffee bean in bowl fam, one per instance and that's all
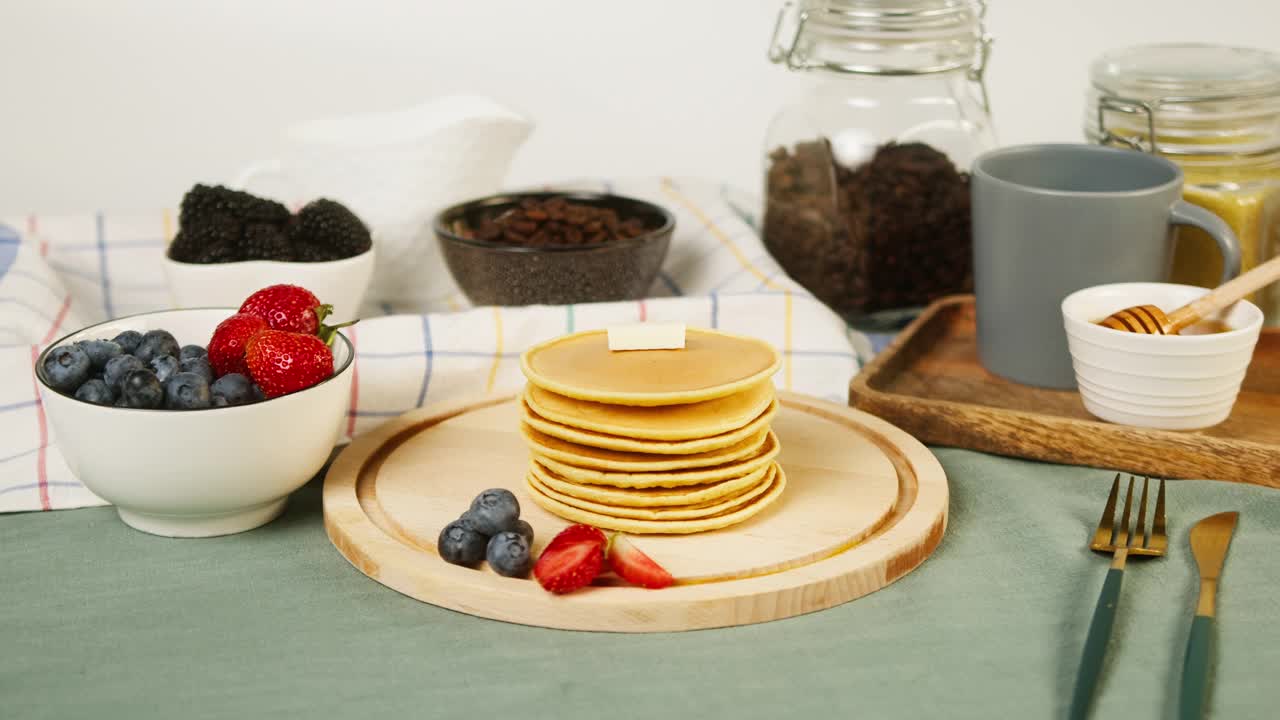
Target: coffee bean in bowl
(554, 248)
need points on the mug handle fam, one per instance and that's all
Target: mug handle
(1185, 213)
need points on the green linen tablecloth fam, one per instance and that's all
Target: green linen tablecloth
(98, 620)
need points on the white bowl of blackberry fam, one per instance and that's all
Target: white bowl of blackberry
(230, 243)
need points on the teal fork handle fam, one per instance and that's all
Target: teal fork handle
(1195, 669)
(1095, 645)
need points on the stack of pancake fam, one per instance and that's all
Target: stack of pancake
(652, 441)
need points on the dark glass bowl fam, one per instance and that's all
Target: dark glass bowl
(493, 273)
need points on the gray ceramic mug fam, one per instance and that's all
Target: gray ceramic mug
(1051, 219)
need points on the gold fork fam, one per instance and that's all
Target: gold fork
(1121, 543)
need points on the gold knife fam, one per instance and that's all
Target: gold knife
(1210, 539)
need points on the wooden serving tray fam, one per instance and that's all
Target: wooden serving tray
(864, 505)
(930, 383)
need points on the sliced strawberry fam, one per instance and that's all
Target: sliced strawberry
(634, 566)
(571, 560)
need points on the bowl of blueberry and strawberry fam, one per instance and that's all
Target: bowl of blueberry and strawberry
(200, 422)
(230, 243)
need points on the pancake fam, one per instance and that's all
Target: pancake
(712, 364)
(686, 512)
(655, 447)
(650, 496)
(601, 459)
(661, 527)
(675, 422)
(674, 478)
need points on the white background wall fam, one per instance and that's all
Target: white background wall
(124, 104)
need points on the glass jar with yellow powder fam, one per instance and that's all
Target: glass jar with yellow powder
(1215, 111)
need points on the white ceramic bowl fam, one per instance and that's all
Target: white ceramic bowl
(198, 473)
(1171, 382)
(341, 283)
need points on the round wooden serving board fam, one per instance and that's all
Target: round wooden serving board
(865, 503)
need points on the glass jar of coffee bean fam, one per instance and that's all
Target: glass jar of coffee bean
(866, 194)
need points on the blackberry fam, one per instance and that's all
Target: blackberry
(306, 252)
(329, 224)
(219, 225)
(215, 239)
(203, 203)
(264, 241)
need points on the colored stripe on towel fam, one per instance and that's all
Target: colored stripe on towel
(100, 223)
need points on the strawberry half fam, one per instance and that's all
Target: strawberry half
(634, 566)
(284, 362)
(289, 308)
(571, 560)
(227, 346)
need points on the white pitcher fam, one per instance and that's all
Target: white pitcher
(395, 170)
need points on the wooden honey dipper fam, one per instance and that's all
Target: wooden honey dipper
(1151, 320)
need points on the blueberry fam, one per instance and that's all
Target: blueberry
(200, 366)
(165, 367)
(461, 545)
(258, 395)
(99, 352)
(187, 391)
(192, 351)
(118, 367)
(66, 367)
(508, 554)
(97, 392)
(524, 529)
(156, 343)
(470, 522)
(232, 389)
(494, 511)
(129, 340)
(141, 389)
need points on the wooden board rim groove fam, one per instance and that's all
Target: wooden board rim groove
(911, 533)
(1159, 453)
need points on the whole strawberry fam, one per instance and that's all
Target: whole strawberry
(284, 362)
(227, 347)
(289, 308)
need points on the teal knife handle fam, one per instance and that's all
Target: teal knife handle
(1095, 645)
(1195, 669)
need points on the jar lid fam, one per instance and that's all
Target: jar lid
(1186, 99)
(881, 37)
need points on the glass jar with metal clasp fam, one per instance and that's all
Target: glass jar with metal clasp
(1215, 111)
(866, 197)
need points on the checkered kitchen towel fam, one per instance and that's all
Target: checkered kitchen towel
(58, 274)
